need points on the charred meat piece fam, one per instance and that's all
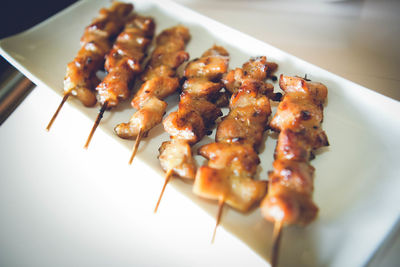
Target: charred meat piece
(247, 119)
(253, 72)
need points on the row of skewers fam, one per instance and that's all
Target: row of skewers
(118, 40)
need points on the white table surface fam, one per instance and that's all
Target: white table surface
(358, 40)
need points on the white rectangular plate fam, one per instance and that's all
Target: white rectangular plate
(356, 183)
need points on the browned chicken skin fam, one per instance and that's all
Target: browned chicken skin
(253, 73)
(123, 62)
(247, 119)
(80, 79)
(298, 119)
(160, 81)
(196, 113)
(233, 160)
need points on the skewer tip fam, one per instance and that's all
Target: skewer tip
(96, 123)
(276, 238)
(136, 145)
(220, 207)
(65, 97)
(167, 178)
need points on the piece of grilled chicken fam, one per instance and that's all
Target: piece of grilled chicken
(80, 79)
(254, 71)
(233, 160)
(196, 112)
(160, 81)
(298, 120)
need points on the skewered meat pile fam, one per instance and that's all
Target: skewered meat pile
(123, 64)
(80, 79)
(233, 159)
(196, 112)
(160, 81)
(298, 120)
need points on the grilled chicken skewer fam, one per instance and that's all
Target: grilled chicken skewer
(233, 158)
(298, 120)
(160, 81)
(123, 64)
(195, 115)
(80, 79)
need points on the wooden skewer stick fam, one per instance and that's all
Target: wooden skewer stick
(220, 206)
(276, 238)
(57, 111)
(167, 178)
(96, 123)
(136, 145)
